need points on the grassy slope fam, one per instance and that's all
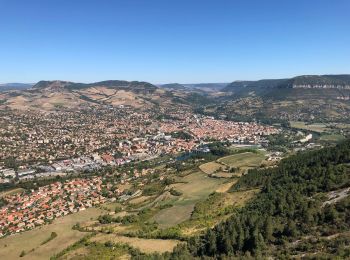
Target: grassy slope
(12, 246)
(198, 187)
(244, 160)
(144, 245)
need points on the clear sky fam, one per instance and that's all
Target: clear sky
(162, 41)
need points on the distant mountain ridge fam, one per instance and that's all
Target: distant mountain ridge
(304, 81)
(305, 98)
(325, 97)
(207, 87)
(58, 94)
(212, 86)
(174, 86)
(114, 84)
(15, 86)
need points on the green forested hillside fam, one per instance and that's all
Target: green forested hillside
(291, 208)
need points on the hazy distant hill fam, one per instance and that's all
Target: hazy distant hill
(198, 87)
(173, 86)
(319, 98)
(305, 81)
(264, 83)
(207, 86)
(15, 86)
(297, 88)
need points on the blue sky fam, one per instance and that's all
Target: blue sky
(161, 41)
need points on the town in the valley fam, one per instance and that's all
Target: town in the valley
(39, 145)
(42, 145)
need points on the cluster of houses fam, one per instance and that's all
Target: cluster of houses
(35, 136)
(208, 128)
(147, 146)
(26, 210)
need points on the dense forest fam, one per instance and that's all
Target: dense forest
(293, 215)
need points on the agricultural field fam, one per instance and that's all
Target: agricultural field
(218, 206)
(243, 160)
(322, 128)
(166, 209)
(210, 167)
(315, 127)
(332, 138)
(140, 200)
(196, 188)
(31, 241)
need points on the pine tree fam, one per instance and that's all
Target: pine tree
(269, 229)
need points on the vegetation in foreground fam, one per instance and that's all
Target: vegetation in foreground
(302, 211)
(292, 208)
(300, 208)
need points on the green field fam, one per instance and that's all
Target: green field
(332, 138)
(198, 187)
(243, 160)
(316, 127)
(12, 246)
(215, 208)
(320, 127)
(210, 167)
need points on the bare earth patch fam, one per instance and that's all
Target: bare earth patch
(226, 186)
(140, 199)
(210, 167)
(239, 198)
(145, 245)
(335, 196)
